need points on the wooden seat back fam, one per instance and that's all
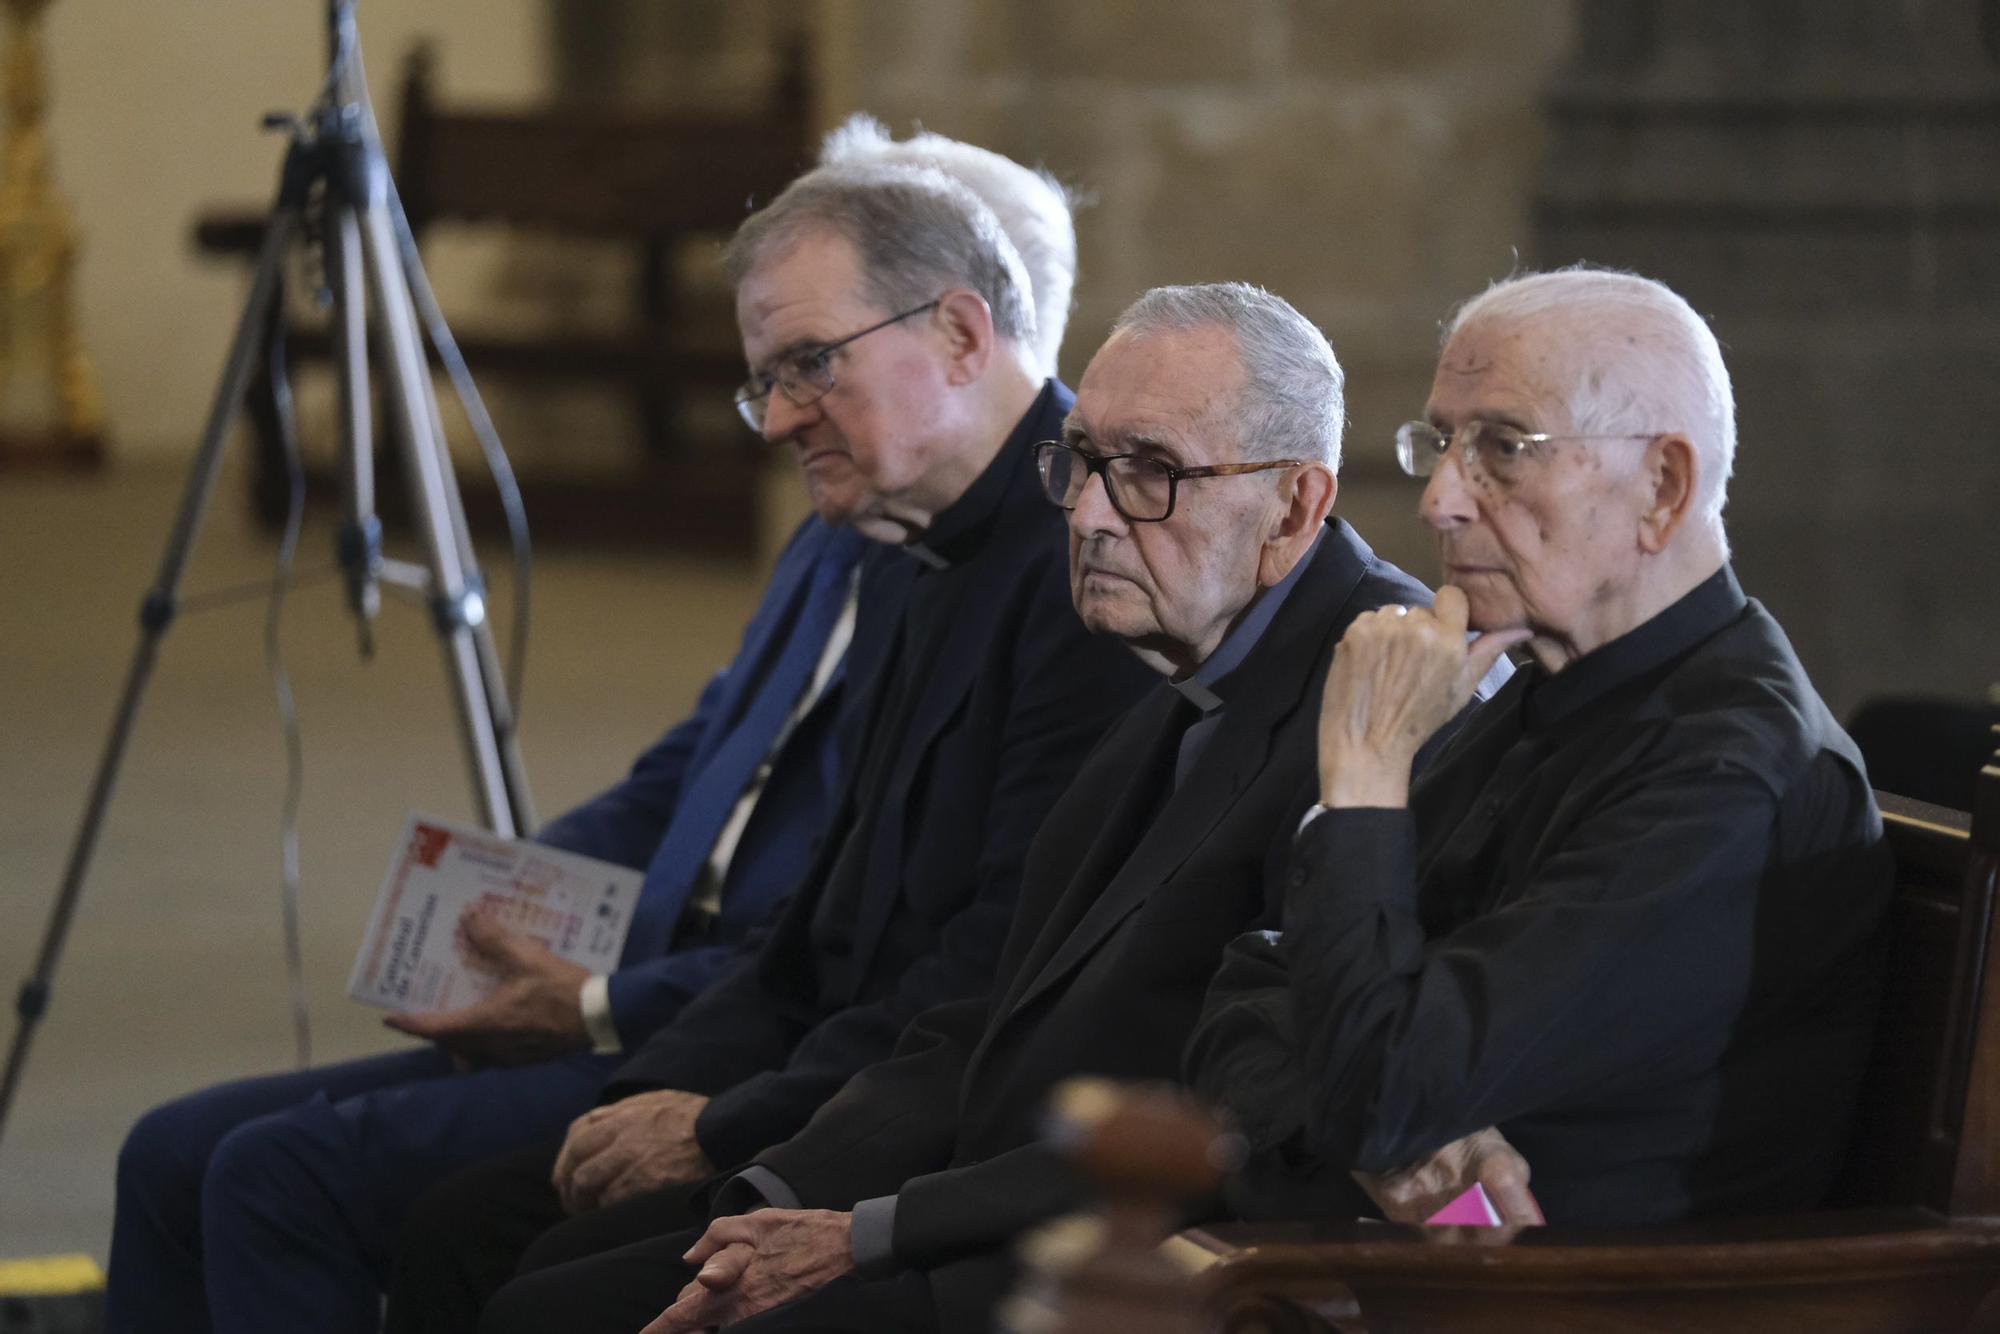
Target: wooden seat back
(648, 180)
(597, 171)
(1925, 1128)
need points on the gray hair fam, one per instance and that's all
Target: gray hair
(916, 230)
(1033, 207)
(1291, 405)
(1646, 362)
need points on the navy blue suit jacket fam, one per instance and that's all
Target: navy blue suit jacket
(1014, 694)
(625, 824)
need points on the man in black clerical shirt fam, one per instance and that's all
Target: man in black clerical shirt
(1197, 467)
(885, 321)
(1622, 933)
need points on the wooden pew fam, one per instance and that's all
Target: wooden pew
(1911, 1241)
(650, 181)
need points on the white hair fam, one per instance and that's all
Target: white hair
(1293, 403)
(1032, 206)
(1646, 362)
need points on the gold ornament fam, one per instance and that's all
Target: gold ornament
(44, 372)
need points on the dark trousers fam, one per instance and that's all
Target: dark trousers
(619, 1291)
(474, 1230)
(274, 1203)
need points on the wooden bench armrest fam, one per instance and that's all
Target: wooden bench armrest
(1876, 1270)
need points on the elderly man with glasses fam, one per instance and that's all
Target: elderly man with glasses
(1198, 472)
(1616, 950)
(899, 718)
(893, 354)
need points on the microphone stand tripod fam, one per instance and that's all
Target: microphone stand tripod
(334, 171)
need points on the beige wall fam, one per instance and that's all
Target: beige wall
(1371, 162)
(154, 118)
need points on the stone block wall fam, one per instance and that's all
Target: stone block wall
(1822, 180)
(1373, 163)
(1821, 177)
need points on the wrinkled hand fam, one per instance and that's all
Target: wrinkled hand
(628, 1147)
(753, 1262)
(534, 1013)
(1399, 675)
(1412, 1194)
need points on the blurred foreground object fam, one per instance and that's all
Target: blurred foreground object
(1147, 1151)
(51, 1294)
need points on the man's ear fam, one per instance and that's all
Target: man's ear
(1671, 470)
(967, 324)
(1308, 495)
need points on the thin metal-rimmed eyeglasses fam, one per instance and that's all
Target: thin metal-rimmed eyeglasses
(1141, 488)
(1487, 451)
(806, 376)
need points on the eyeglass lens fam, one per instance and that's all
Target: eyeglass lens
(803, 380)
(1141, 489)
(1486, 452)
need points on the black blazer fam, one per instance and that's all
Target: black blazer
(1014, 693)
(1130, 894)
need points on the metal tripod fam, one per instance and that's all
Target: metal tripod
(334, 171)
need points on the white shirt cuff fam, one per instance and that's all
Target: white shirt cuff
(595, 1002)
(1313, 812)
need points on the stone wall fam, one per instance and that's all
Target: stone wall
(1821, 178)
(1371, 162)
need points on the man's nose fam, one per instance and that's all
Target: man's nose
(1094, 512)
(1448, 500)
(783, 418)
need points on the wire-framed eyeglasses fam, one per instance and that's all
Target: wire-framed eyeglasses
(806, 376)
(1487, 451)
(1141, 488)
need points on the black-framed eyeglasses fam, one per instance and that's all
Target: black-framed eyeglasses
(1487, 451)
(1141, 488)
(806, 376)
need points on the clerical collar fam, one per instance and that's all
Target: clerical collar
(1203, 686)
(1697, 614)
(961, 526)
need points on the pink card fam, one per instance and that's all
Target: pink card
(1471, 1209)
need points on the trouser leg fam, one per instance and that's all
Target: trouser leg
(619, 1291)
(849, 1305)
(473, 1231)
(302, 1209)
(464, 1237)
(615, 1292)
(154, 1281)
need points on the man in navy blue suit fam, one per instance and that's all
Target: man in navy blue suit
(275, 1202)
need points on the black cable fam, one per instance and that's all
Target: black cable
(281, 396)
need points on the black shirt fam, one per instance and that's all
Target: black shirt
(1630, 917)
(956, 534)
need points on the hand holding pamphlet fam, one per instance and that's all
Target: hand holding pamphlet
(411, 958)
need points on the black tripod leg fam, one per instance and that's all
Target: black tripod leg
(155, 615)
